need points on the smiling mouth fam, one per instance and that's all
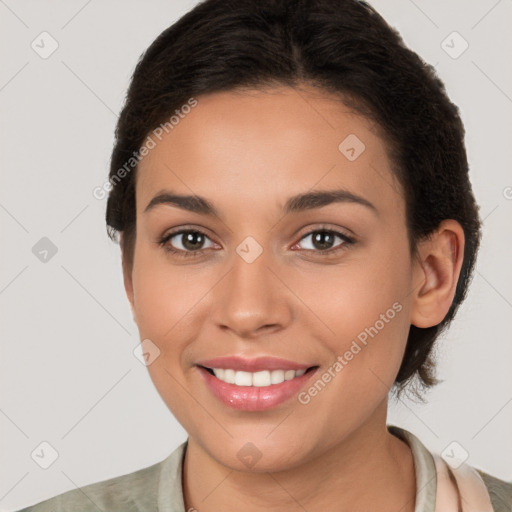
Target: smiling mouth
(261, 378)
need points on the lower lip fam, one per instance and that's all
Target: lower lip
(253, 398)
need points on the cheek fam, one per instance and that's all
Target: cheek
(369, 284)
(172, 305)
(369, 312)
(167, 301)
(165, 295)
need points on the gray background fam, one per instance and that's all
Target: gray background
(68, 373)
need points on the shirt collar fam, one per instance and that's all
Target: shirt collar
(424, 470)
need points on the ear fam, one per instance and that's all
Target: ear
(435, 274)
(127, 279)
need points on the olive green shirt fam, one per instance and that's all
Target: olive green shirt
(158, 488)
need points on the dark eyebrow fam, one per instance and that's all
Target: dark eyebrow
(196, 204)
(298, 203)
(320, 198)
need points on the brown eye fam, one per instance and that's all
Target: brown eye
(323, 240)
(191, 240)
(187, 242)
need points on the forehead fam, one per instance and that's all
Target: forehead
(254, 147)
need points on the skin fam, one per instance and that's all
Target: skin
(247, 153)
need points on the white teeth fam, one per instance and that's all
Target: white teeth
(229, 376)
(261, 378)
(243, 379)
(289, 374)
(277, 376)
(258, 379)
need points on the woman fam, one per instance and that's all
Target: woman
(297, 225)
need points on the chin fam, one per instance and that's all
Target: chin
(258, 454)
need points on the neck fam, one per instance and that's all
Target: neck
(371, 469)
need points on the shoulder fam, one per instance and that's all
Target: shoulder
(500, 492)
(132, 492)
(122, 493)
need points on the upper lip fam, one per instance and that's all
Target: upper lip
(253, 364)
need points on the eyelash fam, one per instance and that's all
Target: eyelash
(186, 254)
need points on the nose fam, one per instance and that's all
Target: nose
(252, 299)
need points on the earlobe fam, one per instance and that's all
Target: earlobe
(436, 273)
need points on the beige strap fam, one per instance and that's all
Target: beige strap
(461, 489)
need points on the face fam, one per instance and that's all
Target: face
(324, 284)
